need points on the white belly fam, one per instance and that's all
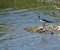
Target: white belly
(42, 21)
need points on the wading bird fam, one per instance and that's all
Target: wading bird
(44, 28)
(44, 21)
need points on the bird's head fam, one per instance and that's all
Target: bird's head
(38, 17)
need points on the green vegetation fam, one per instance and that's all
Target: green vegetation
(6, 4)
(31, 5)
(19, 4)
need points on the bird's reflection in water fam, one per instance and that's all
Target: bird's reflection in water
(43, 40)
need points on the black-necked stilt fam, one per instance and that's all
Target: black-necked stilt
(43, 20)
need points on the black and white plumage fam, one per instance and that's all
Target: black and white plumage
(44, 20)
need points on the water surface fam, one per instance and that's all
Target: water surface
(14, 37)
